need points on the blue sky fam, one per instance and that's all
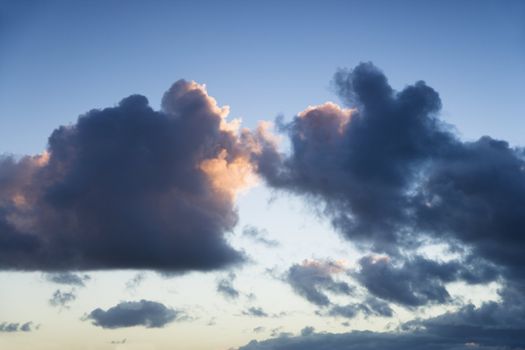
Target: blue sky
(62, 59)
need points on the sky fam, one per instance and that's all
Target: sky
(262, 175)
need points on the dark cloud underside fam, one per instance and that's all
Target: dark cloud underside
(126, 187)
(143, 313)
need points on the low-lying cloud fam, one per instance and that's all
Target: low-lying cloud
(11, 327)
(145, 313)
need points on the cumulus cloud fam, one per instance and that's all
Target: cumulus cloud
(145, 313)
(6, 327)
(311, 279)
(128, 187)
(392, 176)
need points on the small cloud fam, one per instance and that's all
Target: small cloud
(62, 299)
(68, 278)
(149, 314)
(255, 312)
(308, 330)
(7, 327)
(259, 329)
(136, 281)
(225, 287)
(259, 236)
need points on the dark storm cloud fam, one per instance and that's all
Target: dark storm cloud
(225, 287)
(392, 176)
(312, 279)
(417, 281)
(127, 187)
(6, 327)
(62, 299)
(144, 313)
(68, 278)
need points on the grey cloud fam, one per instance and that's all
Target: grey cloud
(312, 279)
(417, 281)
(255, 312)
(308, 330)
(6, 327)
(136, 281)
(392, 176)
(368, 307)
(225, 287)
(258, 236)
(62, 299)
(127, 187)
(145, 313)
(68, 278)
(493, 325)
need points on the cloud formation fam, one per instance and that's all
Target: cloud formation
(259, 236)
(62, 299)
(311, 279)
(493, 325)
(145, 313)
(128, 187)
(255, 312)
(225, 287)
(68, 278)
(6, 327)
(391, 176)
(418, 281)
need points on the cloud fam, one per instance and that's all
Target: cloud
(490, 326)
(127, 187)
(68, 278)
(392, 176)
(225, 287)
(62, 299)
(418, 281)
(6, 327)
(145, 313)
(311, 279)
(308, 330)
(136, 281)
(258, 236)
(255, 312)
(314, 279)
